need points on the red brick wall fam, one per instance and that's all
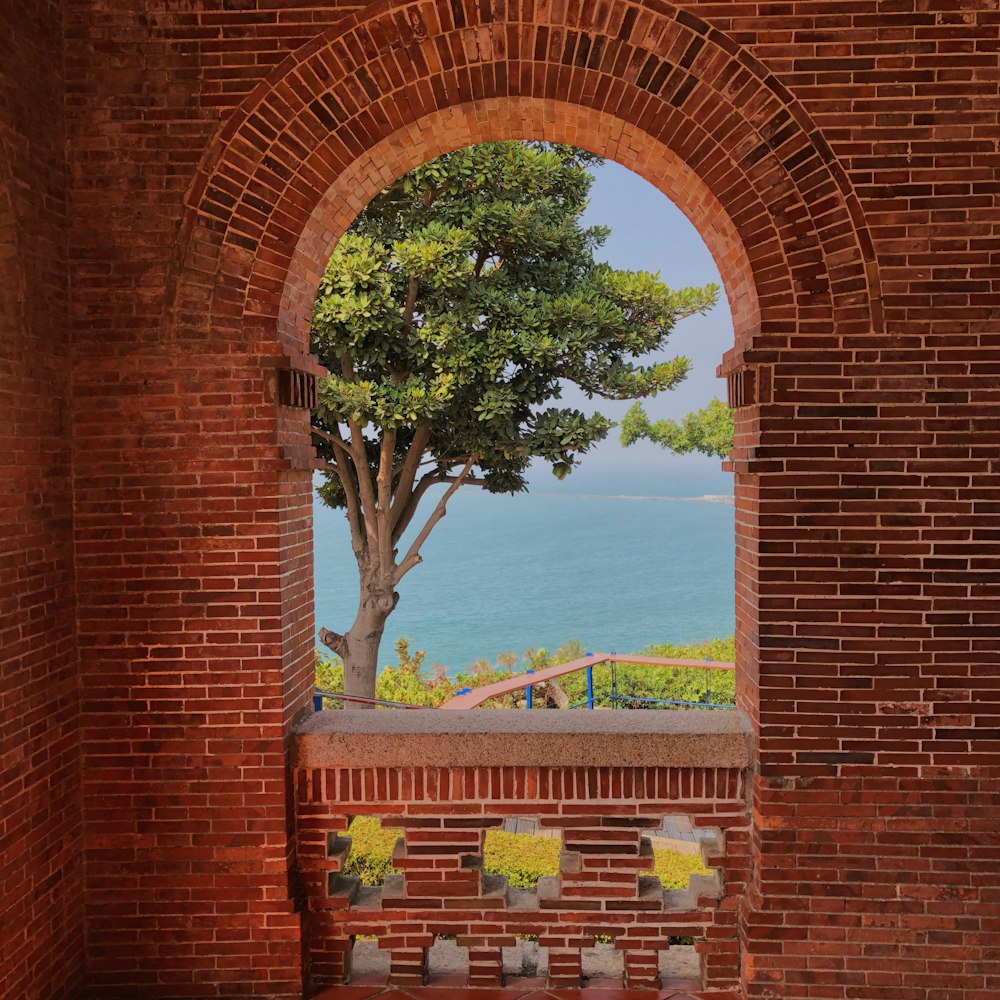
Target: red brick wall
(851, 147)
(877, 883)
(41, 940)
(193, 561)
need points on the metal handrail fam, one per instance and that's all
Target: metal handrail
(319, 695)
(474, 697)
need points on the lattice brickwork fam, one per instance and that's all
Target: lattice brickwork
(602, 889)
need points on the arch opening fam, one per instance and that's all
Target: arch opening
(521, 119)
(658, 91)
(688, 555)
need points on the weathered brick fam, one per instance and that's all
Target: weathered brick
(839, 160)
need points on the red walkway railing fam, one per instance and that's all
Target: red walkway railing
(475, 697)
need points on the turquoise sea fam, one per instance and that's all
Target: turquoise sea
(615, 557)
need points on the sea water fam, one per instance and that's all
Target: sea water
(616, 558)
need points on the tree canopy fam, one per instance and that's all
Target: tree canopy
(451, 315)
(708, 430)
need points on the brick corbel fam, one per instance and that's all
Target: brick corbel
(295, 379)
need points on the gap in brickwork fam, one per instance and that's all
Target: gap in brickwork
(672, 859)
(679, 965)
(367, 853)
(525, 959)
(524, 963)
(528, 855)
(447, 962)
(525, 859)
(602, 964)
(524, 853)
(369, 962)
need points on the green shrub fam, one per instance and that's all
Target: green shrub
(675, 869)
(410, 682)
(722, 650)
(673, 683)
(524, 858)
(329, 677)
(407, 681)
(371, 850)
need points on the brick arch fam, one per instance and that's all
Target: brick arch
(648, 85)
(512, 118)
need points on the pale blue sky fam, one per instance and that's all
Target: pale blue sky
(649, 233)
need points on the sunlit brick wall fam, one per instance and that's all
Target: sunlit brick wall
(849, 146)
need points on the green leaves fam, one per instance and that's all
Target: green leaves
(558, 435)
(462, 300)
(437, 255)
(708, 430)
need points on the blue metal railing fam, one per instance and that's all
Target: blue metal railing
(613, 697)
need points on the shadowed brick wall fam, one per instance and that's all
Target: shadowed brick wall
(41, 930)
(192, 522)
(840, 159)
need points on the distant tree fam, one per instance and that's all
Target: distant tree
(708, 430)
(459, 303)
(506, 661)
(571, 650)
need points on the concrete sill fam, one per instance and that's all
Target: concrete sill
(491, 737)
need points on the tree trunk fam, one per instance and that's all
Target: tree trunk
(361, 652)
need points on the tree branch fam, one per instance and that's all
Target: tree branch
(354, 517)
(412, 557)
(408, 473)
(409, 507)
(333, 641)
(384, 512)
(468, 480)
(412, 289)
(360, 461)
(335, 440)
(369, 508)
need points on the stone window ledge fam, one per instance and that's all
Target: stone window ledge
(516, 737)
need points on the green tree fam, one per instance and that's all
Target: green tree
(457, 306)
(708, 430)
